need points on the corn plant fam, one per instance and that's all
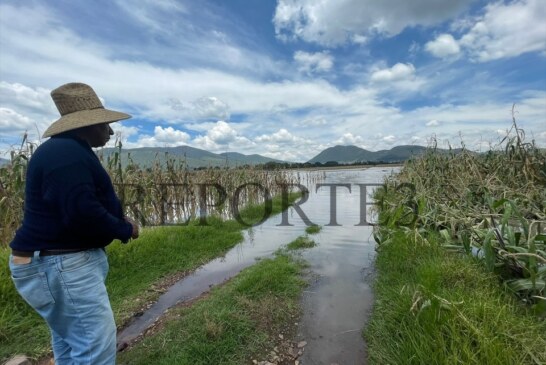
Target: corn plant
(12, 189)
(490, 205)
(165, 193)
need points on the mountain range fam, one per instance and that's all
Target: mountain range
(198, 158)
(193, 157)
(353, 154)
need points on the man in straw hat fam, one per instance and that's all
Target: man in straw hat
(58, 262)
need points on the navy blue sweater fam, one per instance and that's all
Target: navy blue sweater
(69, 200)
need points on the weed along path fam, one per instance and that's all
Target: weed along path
(338, 299)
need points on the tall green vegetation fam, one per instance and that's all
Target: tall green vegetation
(451, 228)
(162, 194)
(12, 188)
(490, 205)
(434, 306)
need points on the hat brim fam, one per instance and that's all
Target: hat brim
(84, 118)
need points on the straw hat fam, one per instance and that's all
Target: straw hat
(79, 107)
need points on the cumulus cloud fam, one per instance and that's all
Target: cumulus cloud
(162, 137)
(170, 135)
(221, 137)
(33, 42)
(282, 136)
(433, 123)
(506, 30)
(397, 82)
(314, 62)
(13, 121)
(27, 98)
(334, 22)
(398, 72)
(284, 145)
(25, 108)
(349, 139)
(390, 139)
(123, 131)
(443, 46)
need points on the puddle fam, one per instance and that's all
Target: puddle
(337, 303)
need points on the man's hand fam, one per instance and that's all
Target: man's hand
(135, 233)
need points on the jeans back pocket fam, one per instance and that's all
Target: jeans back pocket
(34, 289)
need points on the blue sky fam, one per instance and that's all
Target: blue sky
(285, 79)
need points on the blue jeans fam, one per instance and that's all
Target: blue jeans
(68, 291)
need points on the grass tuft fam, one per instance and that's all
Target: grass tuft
(437, 307)
(300, 243)
(313, 229)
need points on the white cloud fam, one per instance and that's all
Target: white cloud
(314, 122)
(207, 107)
(222, 133)
(414, 48)
(334, 22)
(507, 30)
(149, 12)
(443, 46)
(314, 62)
(27, 98)
(349, 139)
(13, 121)
(26, 108)
(287, 146)
(170, 135)
(123, 131)
(398, 72)
(433, 123)
(282, 136)
(390, 139)
(274, 101)
(163, 137)
(221, 137)
(359, 39)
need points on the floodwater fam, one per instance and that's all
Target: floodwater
(337, 302)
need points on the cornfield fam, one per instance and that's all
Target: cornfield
(491, 206)
(158, 195)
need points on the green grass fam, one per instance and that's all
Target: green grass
(437, 307)
(313, 229)
(301, 242)
(157, 255)
(234, 324)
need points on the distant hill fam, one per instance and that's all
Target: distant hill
(193, 157)
(353, 154)
(3, 161)
(247, 159)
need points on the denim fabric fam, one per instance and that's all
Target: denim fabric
(68, 291)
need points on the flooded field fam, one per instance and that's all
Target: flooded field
(339, 297)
